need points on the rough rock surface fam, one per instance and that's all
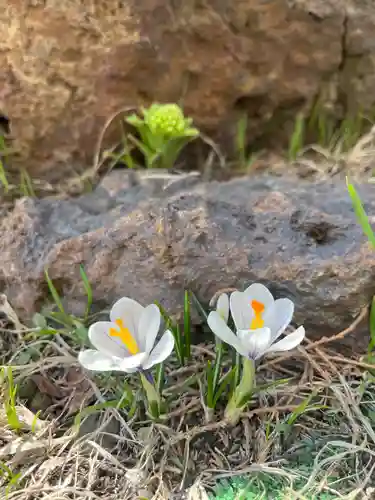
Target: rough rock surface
(149, 238)
(67, 66)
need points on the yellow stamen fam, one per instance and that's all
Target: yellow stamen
(124, 334)
(257, 321)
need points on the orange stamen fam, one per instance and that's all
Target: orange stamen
(257, 321)
(124, 334)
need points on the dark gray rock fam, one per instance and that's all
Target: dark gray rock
(153, 237)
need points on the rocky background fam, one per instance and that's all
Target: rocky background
(149, 237)
(67, 66)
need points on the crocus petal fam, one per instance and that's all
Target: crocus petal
(221, 330)
(289, 342)
(132, 362)
(104, 342)
(129, 311)
(94, 360)
(222, 306)
(278, 316)
(241, 310)
(260, 293)
(161, 351)
(148, 327)
(255, 341)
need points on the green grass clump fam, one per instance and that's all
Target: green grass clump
(320, 127)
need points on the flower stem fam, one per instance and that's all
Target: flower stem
(242, 393)
(152, 397)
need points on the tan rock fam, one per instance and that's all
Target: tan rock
(67, 66)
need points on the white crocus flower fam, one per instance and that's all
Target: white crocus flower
(126, 343)
(222, 306)
(259, 320)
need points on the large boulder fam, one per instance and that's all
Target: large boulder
(66, 67)
(149, 238)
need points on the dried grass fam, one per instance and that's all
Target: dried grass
(127, 458)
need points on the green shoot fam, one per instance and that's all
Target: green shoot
(187, 325)
(240, 140)
(88, 291)
(10, 399)
(126, 153)
(198, 306)
(77, 327)
(3, 176)
(127, 158)
(245, 160)
(160, 378)
(163, 131)
(152, 397)
(217, 365)
(297, 139)
(35, 421)
(368, 231)
(303, 408)
(215, 386)
(26, 185)
(371, 345)
(127, 400)
(54, 292)
(11, 478)
(175, 329)
(237, 370)
(360, 213)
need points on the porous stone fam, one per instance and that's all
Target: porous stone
(299, 238)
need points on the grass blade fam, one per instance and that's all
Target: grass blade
(176, 333)
(89, 410)
(217, 366)
(54, 293)
(297, 138)
(371, 345)
(224, 383)
(210, 387)
(3, 176)
(301, 408)
(88, 290)
(187, 325)
(198, 306)
(26, 184)
(240, 139)
(160, 378)
(237, 373)
(56, 297)
(360, 213)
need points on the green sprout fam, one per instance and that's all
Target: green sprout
(163, 132)
(3, 176)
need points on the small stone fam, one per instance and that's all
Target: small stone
(40, 402)
(108, 437)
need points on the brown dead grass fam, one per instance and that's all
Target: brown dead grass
(129, 458)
